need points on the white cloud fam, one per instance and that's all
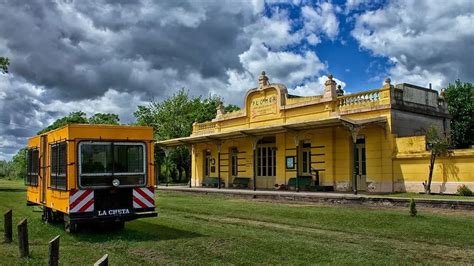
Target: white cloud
(321, 19)
(313, 39)
(282, 67)
(240, 82)
(270, 38)
(121, 103)
(275, 32)
(315, 87)
(101, 57)
(428, 43)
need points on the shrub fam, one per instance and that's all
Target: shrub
(464, 190)
(412, 206)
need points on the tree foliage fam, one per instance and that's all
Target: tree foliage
(16, 168)
(104, 119)
(460, 99)
(4, 63)
(73, 118)
(5, 169)
(19, 163)
(81, 118)
(231, 108)
(174, 118)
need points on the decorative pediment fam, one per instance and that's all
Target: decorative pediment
(263, 101)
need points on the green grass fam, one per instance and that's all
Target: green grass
(199, 229)
(427, 196)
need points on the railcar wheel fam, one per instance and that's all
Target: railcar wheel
(47, 216)
(69, 226)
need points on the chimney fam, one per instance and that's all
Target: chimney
(330, 93)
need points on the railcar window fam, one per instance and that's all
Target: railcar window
(58, 166)
(32, 167)
(96, 159)
(101, 162)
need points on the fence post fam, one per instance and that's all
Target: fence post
(53, 259)
(23, 238)
(104, 261)
(8, 226)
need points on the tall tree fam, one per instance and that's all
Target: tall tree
(16, 167)
(4, 63)
(5, 169)
(460, 99)
(19, 163)
(438, 145)
(174, 118)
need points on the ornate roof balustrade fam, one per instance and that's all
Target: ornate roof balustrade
(363, 100)
(204, 128)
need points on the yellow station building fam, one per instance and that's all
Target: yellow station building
(369, 141)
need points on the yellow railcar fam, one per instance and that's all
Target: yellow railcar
(92, 173)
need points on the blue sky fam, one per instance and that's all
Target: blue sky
(358, 67)
(109, 57)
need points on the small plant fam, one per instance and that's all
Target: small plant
(464, 190)
(412, 206)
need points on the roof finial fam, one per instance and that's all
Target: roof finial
(330, 80)
(220, 109)
(262, 80)
(387, 80)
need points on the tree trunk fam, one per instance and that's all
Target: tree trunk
(430, 177)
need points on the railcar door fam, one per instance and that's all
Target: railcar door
(43, 165)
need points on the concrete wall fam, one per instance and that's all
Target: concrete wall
(413, 124)
(411, 167)
(419, 95)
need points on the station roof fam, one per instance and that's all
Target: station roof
(267, 130)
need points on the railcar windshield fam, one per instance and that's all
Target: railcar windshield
(102, 162)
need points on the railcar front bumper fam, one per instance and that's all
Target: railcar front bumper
(94, 217)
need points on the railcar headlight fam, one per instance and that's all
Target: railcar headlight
(115, 182)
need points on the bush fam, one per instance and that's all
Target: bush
(412, 206)
(464, 190)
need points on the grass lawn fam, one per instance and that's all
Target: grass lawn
(425, 196)
(212, 229)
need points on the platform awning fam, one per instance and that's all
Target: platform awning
(265, 131)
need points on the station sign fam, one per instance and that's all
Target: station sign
(263, 105)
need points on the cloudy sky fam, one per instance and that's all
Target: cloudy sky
(110, 56)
